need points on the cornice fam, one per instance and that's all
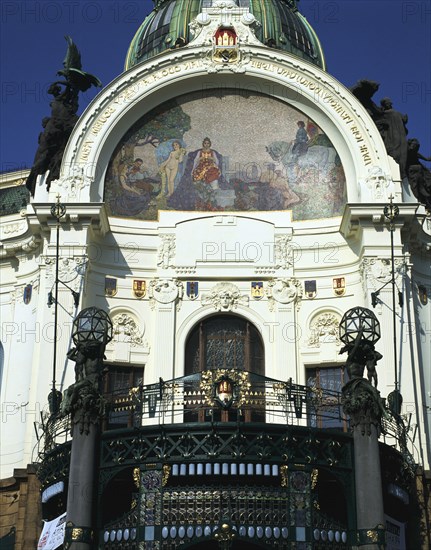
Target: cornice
(93, 215)
(364, 215)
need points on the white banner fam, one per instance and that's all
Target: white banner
(52, 534)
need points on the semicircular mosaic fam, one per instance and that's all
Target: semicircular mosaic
(224, 151)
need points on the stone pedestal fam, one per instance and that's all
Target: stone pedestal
(368, 484)
(362, 403)
(81, 493)
(84, 402)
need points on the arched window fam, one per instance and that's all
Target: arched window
(225, 342)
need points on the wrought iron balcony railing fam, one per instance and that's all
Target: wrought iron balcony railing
(226, 395)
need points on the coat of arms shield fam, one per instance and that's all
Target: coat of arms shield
(139, 288)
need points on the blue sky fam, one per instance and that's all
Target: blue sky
(388, 41)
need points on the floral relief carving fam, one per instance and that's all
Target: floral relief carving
(283, 252)
(127, 330)
(324, 329)
(166, 251)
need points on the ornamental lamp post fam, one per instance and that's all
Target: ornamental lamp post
(359, 330)
(356, 319)
(92, 327)
(91, 331)
(58, 211)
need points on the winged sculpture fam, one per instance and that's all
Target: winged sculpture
(58, 127)
(75, 77)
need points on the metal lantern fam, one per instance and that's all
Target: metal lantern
(92, 326)
(356, 319)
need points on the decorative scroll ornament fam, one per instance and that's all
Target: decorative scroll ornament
(137, 477)
(166, 251)
(70, 187)
(314, 477)
(166, 472)
(324, 329)
(284, 291)
(10, 229)
(127, 330)
(284, 475)
(225, 297)
(165, 291)
(283, 252)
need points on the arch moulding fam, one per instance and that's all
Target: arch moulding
(205, 312)
(282, 76)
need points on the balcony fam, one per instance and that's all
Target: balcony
(185, 419)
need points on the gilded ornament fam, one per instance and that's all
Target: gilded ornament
(137, 476)
(284, 470)
(372, 535)
(77, 533)
(314, 476)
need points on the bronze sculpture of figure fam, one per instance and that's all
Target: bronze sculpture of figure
(59, 126)
(419, 176)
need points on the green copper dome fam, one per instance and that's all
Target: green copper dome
(282, 27)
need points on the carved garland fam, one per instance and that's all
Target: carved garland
(324, 329)
(126, 329)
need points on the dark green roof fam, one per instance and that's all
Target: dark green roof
(13, 199)
(282, 25)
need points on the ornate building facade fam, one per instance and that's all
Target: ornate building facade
(225, 205)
